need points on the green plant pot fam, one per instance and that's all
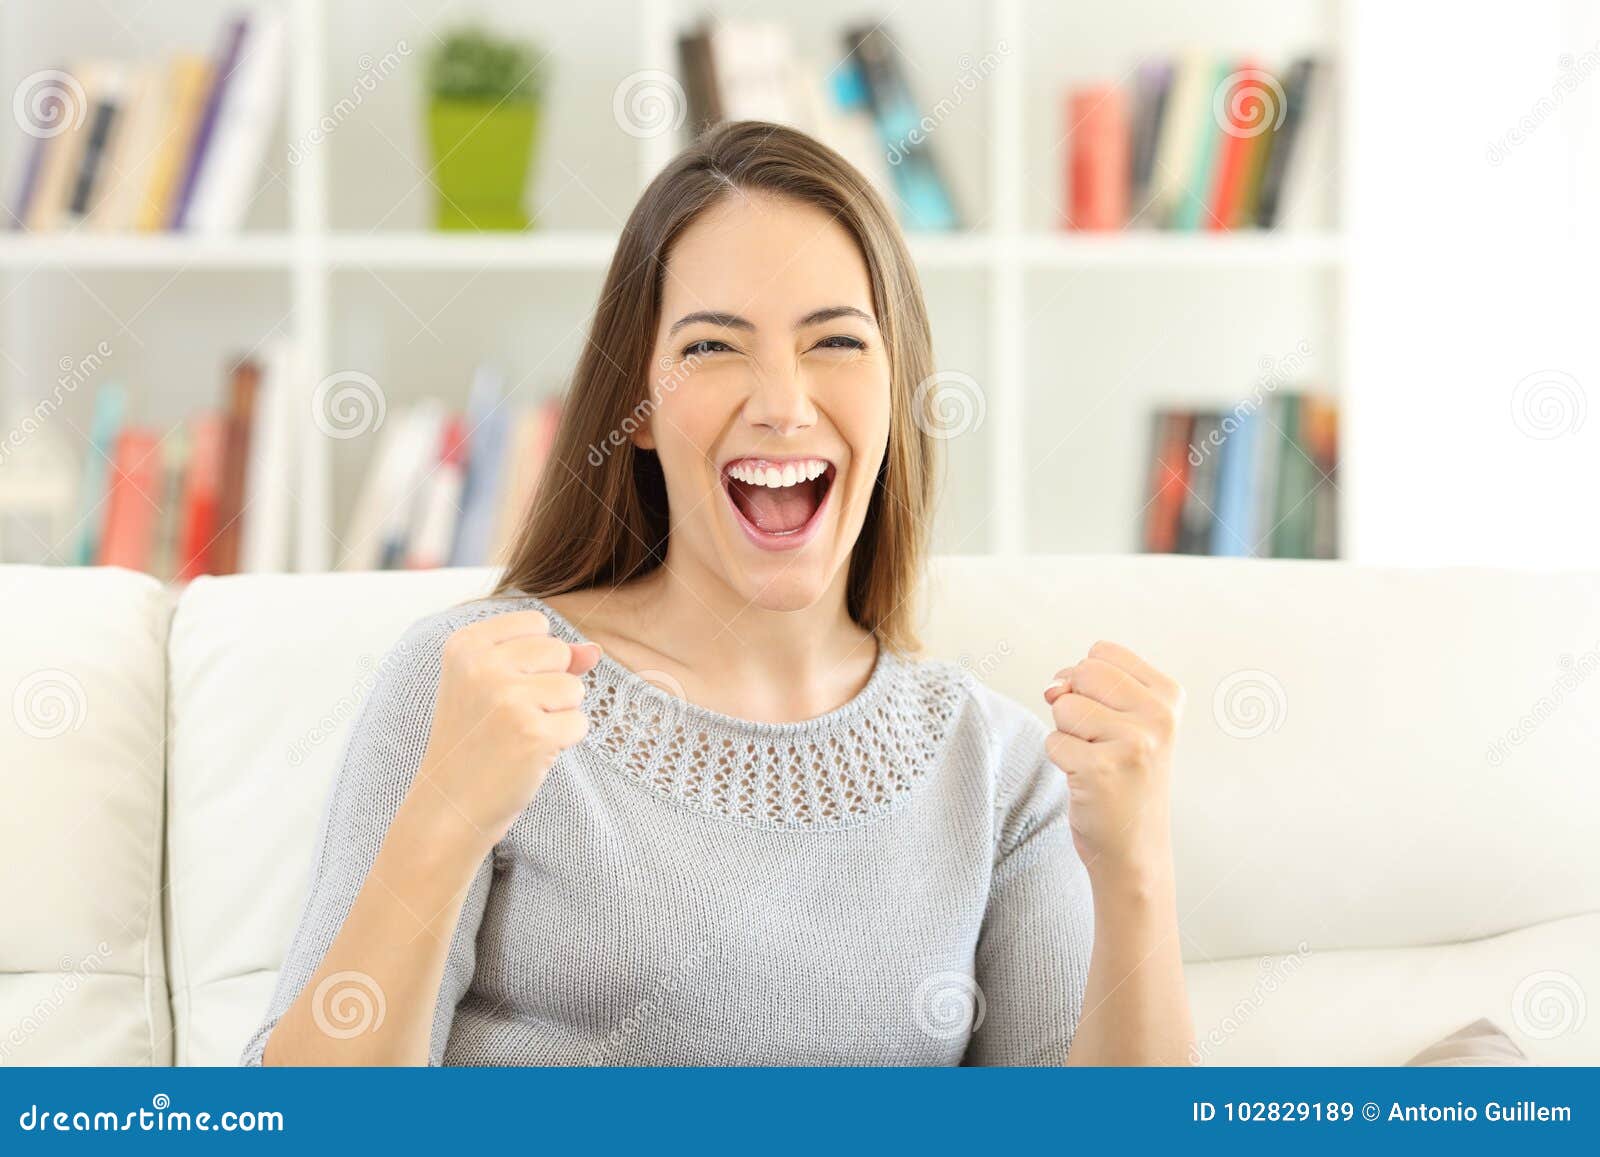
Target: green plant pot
(481, 154)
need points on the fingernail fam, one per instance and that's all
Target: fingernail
(1055, 690)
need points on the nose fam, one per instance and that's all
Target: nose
(780, 403)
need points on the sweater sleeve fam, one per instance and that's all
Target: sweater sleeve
(380, 759)
(1032, 961)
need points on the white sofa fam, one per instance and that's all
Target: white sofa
(1388, 813)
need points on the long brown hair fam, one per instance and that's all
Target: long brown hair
(599, 517)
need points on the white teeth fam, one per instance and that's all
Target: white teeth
(789, 474)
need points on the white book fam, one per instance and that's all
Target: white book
(1312, 180)
(139, 138)
(750, 60)
(438, 508)
(1185, 116)
(251, 102)
(382, 518)
(269, 491)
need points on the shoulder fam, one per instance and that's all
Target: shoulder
(419, 647)
(975, 715)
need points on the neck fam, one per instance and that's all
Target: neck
(760, 663)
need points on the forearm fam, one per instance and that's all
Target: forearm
(1135, 1008)
(397, 938)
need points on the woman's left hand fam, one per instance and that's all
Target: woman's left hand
(1116, 717)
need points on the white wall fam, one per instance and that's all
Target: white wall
(1472, 273)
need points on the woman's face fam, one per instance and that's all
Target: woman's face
(772, 408)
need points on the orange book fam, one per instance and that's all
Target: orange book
(133, 500)
(1169, 481)
(1099, 161)
(201, 482)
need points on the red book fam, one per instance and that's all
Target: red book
(1098, 158)
(133, 500)
(1169, 481)
(198, 518)
(1249, 108)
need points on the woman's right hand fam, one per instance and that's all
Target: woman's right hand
(509, 702)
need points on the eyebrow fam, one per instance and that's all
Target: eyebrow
(734, 321)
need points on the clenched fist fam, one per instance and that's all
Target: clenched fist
(1116, 717)
(509, 702)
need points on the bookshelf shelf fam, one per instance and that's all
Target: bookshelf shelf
(583, 250)
(24, 252)
(342, 261)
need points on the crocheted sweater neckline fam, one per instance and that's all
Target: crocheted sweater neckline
(848, 766)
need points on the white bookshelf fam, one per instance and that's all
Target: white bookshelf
(339, 254)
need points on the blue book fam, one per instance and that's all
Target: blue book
(110, 409)
(1234, 533)
(488, 420)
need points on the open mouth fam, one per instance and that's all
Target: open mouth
(778, 501)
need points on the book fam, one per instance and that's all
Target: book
(1154, 83)
(105, 424)
(439, 501)
(1234, 533)
(202, 485)
(1247, 111)
(1180, 131)
(187, 84)
(175, 450)
(532, 438)
(246, 114)
(223, 66)
(268, 493)
(133, 500)
(487, 424)
(242, 384)
(1098, 158)
(1297, 91)
(105, 107)
(1169, 473)
(923, 195)
(59, 167)
(125, 171)
(1193, 205)
(1197, 513)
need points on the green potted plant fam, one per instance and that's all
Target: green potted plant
(484, 96)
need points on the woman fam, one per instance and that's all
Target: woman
(679, 793)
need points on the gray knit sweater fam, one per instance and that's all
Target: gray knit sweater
(891, 883)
